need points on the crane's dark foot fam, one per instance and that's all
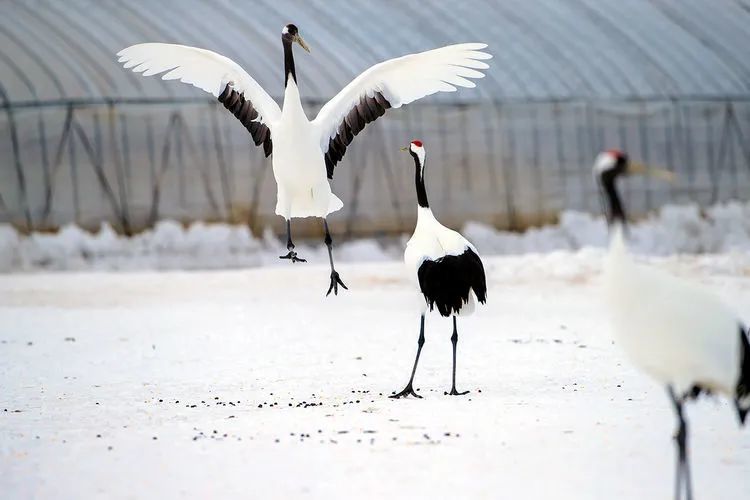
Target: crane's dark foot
(454, 392)
(292, 255)
(335, 282)
(408, 391)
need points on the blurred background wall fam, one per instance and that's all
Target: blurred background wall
(82, 140)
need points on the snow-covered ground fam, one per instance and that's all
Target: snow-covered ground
(250, 384)
(675, 229)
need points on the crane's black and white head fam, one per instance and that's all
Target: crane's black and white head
(417, 151)
(290, 34)
(613, 163)
(610, 164)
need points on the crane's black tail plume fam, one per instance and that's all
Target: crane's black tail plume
(742, 400)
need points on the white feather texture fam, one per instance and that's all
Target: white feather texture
(673, 330)
(201, 68)
(406, 79)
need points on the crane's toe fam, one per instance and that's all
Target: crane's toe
(408, 391)
(335, 282)
(292, 255)
(454, 392)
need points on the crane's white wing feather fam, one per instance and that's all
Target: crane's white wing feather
(214, 73)
(391, 84)
(201, 68)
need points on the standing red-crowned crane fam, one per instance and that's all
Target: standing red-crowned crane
(444, 265)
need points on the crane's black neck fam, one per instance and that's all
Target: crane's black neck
(288, 60)
(419, 181)
(615, 211)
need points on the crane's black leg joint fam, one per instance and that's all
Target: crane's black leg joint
(335, 278)
(292, 255)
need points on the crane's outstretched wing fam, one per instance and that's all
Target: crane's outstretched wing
(391, 84)
(214, 73)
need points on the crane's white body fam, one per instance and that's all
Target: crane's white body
(676, 332)
(299, 144)
(432, 240)
(303, 189)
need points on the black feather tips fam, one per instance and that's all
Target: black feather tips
(447, 282)
(742, 392)
(244, 111)
(367, 110)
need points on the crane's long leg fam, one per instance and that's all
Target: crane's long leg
(335, 279)
(683, 465)
(292, 255)
(454, 340)
(409, 390)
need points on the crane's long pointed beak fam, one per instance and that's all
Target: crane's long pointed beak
(404, 149)
(302, 43)
(658, 173)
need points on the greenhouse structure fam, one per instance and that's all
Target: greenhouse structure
(84, 141)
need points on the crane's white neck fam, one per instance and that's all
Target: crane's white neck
(425, 218)
(617, 244)
(292, 101)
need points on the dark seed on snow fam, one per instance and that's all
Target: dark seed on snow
(154, 438)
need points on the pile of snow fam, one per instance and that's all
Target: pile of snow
(169, 245)
(676, 229)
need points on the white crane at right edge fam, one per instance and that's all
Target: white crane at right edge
(678, 333)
